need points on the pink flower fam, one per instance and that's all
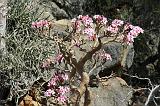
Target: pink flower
(97, 17)
(59, 58)
(57, 78)
(100, 19)
(73, 20)
(137, 30)
(65, 76)
(104, 56)
(104, 20)
(45, 23)
(86, 20)
(133, 33)
(116, 23)
(34, 25)
(92, 38)
(62, 90)
(128, 26)
(39, 24)
(49, 92)
(80, 17)
(62, 98)
(112, 29)
(55, 86)
(128, 39)
(89, 31)
(52, 82)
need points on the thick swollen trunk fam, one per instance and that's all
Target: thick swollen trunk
(3, 11)
(79, 68)
(82, 90)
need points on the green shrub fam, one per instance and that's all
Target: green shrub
(25, 48)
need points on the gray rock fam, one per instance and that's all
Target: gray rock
(113, 92)
(151, 69)
(116, 51)
(129, 57)
(51, 10)
(146, 46)
(61, 9)
(146, 53)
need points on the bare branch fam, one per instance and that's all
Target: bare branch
(68, 56)
(152, 94)
(149, 81)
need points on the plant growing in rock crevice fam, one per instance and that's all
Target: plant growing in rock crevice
(85, 40)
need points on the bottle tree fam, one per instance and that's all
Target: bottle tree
(84, 43)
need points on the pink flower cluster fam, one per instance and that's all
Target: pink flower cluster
(39, 24)
(133, 33)
(86, 20)
(49, 92)
(100, 19)
(114, 27)
(102, 55)
(62, 99)
(90, 32)
(58, 77)
(57, 88)
(128, 26)
(129, 32)
(116, 23)
(106, 56)
(63, 89)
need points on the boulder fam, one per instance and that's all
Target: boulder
(112, 92)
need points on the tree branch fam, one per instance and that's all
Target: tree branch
(89, 54)
(152, 94)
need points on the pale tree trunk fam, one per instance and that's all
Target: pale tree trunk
(3, 12)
